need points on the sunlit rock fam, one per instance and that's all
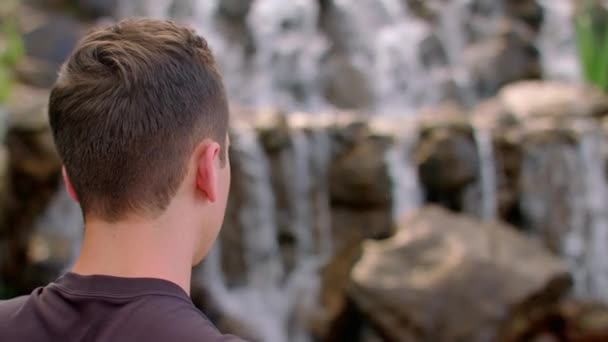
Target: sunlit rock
(444, 277)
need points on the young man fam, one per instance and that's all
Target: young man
(140, 118)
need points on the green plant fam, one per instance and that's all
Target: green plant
(11, 51)
(591, 23)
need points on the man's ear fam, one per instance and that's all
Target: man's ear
(207, 155)
(68, 185)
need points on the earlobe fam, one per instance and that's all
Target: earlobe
(68, 185)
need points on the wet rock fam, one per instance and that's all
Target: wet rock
(350, 228)
(568, 320)
(345, 86)
(30, 140)
(414, 286)
(234, 9)
(96, 8)
(422, 8)
(507, 139)
(273, 131)
(358, 174)
(447, 157)
(528, 11)
(513, 48)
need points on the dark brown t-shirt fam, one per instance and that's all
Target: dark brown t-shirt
(103, 308)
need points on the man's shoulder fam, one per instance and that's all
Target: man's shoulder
(179, 322)
(9, 306)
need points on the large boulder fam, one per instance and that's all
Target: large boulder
(444, 277)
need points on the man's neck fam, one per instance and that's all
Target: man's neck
(136, 250)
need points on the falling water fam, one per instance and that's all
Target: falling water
(297, 175)
(454, 39)
(564, 199)
(321, 149)
(258, 213)
(276, 60)
(407, 194)
(289, 48)
(487, 170)
(557, 41)
(274, 302)
(58, 232)
(261, 302)
(593, 282)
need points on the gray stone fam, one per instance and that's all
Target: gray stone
(234, 9)
(345, 86)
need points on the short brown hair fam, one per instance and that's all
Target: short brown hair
(129, 107)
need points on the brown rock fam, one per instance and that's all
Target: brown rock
(27, 108)
(358, 174)
(513, 49)
(415, 285)
(528, 11)
(36, 72)
(447, 159)
(350, 228)
(535, 99)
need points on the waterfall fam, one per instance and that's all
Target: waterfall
(557, 41)
(288, 50)
(58, 232)
(564, 199)
(407, 193)
(594, 280)
(321, 154)
(487, 173)
(262, 302)
(297, 174)
(454, 40)
(273, 54)
(276, 302)
(257, 215)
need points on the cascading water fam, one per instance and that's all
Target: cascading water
(275, 58)
(487, 171)
(565, 196)
(261, 300)
(276, 302)
(454, 40)
(61, 226)
(592, 271)
(407, 194)
(557, 41)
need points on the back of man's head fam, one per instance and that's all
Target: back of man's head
(128, 109)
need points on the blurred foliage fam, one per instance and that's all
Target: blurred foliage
(591, 21)
(11, 50)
